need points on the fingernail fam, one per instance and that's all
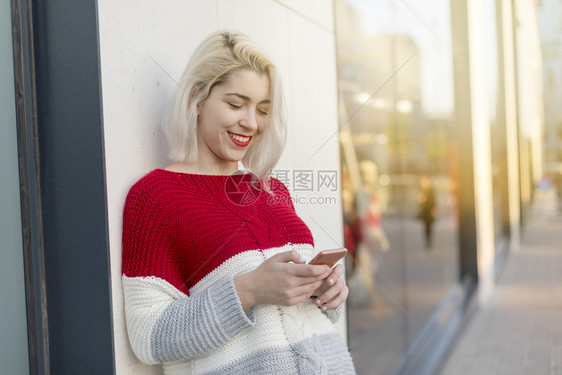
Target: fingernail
(324, 308)
(318, 302)
(331, 281)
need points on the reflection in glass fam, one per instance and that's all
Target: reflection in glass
(399, 169)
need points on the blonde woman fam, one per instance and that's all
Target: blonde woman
(214, 261)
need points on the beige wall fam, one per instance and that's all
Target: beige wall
(144, 48)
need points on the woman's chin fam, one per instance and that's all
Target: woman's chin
(235, 156)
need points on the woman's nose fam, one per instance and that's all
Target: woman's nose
(249, 120)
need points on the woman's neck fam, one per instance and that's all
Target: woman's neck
(197, 168)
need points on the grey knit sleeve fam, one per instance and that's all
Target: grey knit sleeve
(198, 324)
(179, 329)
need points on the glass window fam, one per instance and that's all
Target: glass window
(399, 163)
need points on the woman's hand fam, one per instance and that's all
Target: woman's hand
(333, 290)
(279, 282)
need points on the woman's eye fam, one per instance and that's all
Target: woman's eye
(263, 112)
(234, 106)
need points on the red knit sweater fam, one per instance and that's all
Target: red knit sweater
(186, 238)
(179, 227)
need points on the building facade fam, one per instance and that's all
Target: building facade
(550, 29)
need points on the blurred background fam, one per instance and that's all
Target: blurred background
(450, 121)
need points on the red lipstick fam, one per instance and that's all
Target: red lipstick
(240, 139)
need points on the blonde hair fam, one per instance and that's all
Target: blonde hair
(214, 60)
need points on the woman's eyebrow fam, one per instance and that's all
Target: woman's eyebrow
(246, 98)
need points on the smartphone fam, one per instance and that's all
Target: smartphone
(328, 257)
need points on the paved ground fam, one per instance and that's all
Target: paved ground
(519, 331)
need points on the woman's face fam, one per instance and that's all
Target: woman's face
(231, 118)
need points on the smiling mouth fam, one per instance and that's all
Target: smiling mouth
(239, 139)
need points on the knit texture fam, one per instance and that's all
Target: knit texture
(185, 238)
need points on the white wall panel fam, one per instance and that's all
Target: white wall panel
(317, 11)
(312, 101)
(144, 48)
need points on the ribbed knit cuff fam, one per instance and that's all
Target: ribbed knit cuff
(334, 315)
(229, 308)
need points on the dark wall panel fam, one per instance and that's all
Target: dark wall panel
(73, 187)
